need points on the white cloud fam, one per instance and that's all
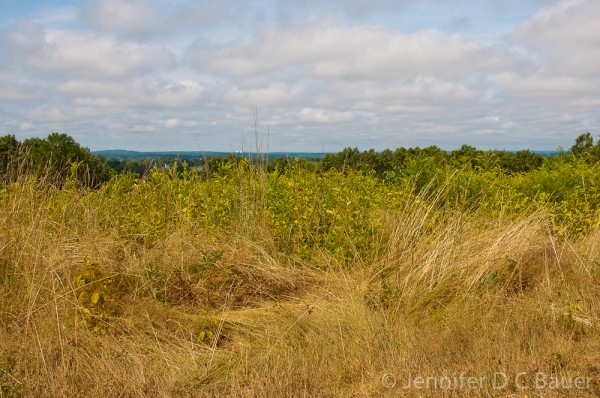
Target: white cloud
(571, 21)
(331, 50)
(198, 15)
(276, 94)
(564, 38)
(144, 18)
(324, 116)
(46, 113)
(136, 93)
(16, 88)
(84, 54)
(543, 88)
(128, 16)
(172, 123)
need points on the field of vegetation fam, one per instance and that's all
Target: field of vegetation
(351, 276)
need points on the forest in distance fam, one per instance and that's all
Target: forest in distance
(60, 149)
(351, 274)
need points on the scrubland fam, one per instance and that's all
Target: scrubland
(301, 283)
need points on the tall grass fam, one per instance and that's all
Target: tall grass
(251, 283)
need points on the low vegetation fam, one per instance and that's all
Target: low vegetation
(355, 275)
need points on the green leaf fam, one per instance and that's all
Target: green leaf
(94, 298)
(491, 276)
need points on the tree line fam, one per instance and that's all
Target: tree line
(60, 157)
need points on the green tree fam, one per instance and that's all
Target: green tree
(526, 161)
(56, 156)
(583, 144)
(465, 155)
(9, 151)
(585, 147)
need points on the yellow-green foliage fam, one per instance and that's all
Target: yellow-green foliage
(95, 297)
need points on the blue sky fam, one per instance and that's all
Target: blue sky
(323, 75)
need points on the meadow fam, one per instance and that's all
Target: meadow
(336, 278)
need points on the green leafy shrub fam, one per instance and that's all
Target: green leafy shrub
(97, 301)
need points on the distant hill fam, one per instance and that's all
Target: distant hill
(120, 154)
(547, 153)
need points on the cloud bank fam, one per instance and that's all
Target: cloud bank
(147, 75)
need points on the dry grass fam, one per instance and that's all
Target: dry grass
(221, 313)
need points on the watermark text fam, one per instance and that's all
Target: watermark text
(496, 381)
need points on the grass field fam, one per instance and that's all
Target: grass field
(246, 283)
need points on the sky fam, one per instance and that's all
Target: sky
(316, 75)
